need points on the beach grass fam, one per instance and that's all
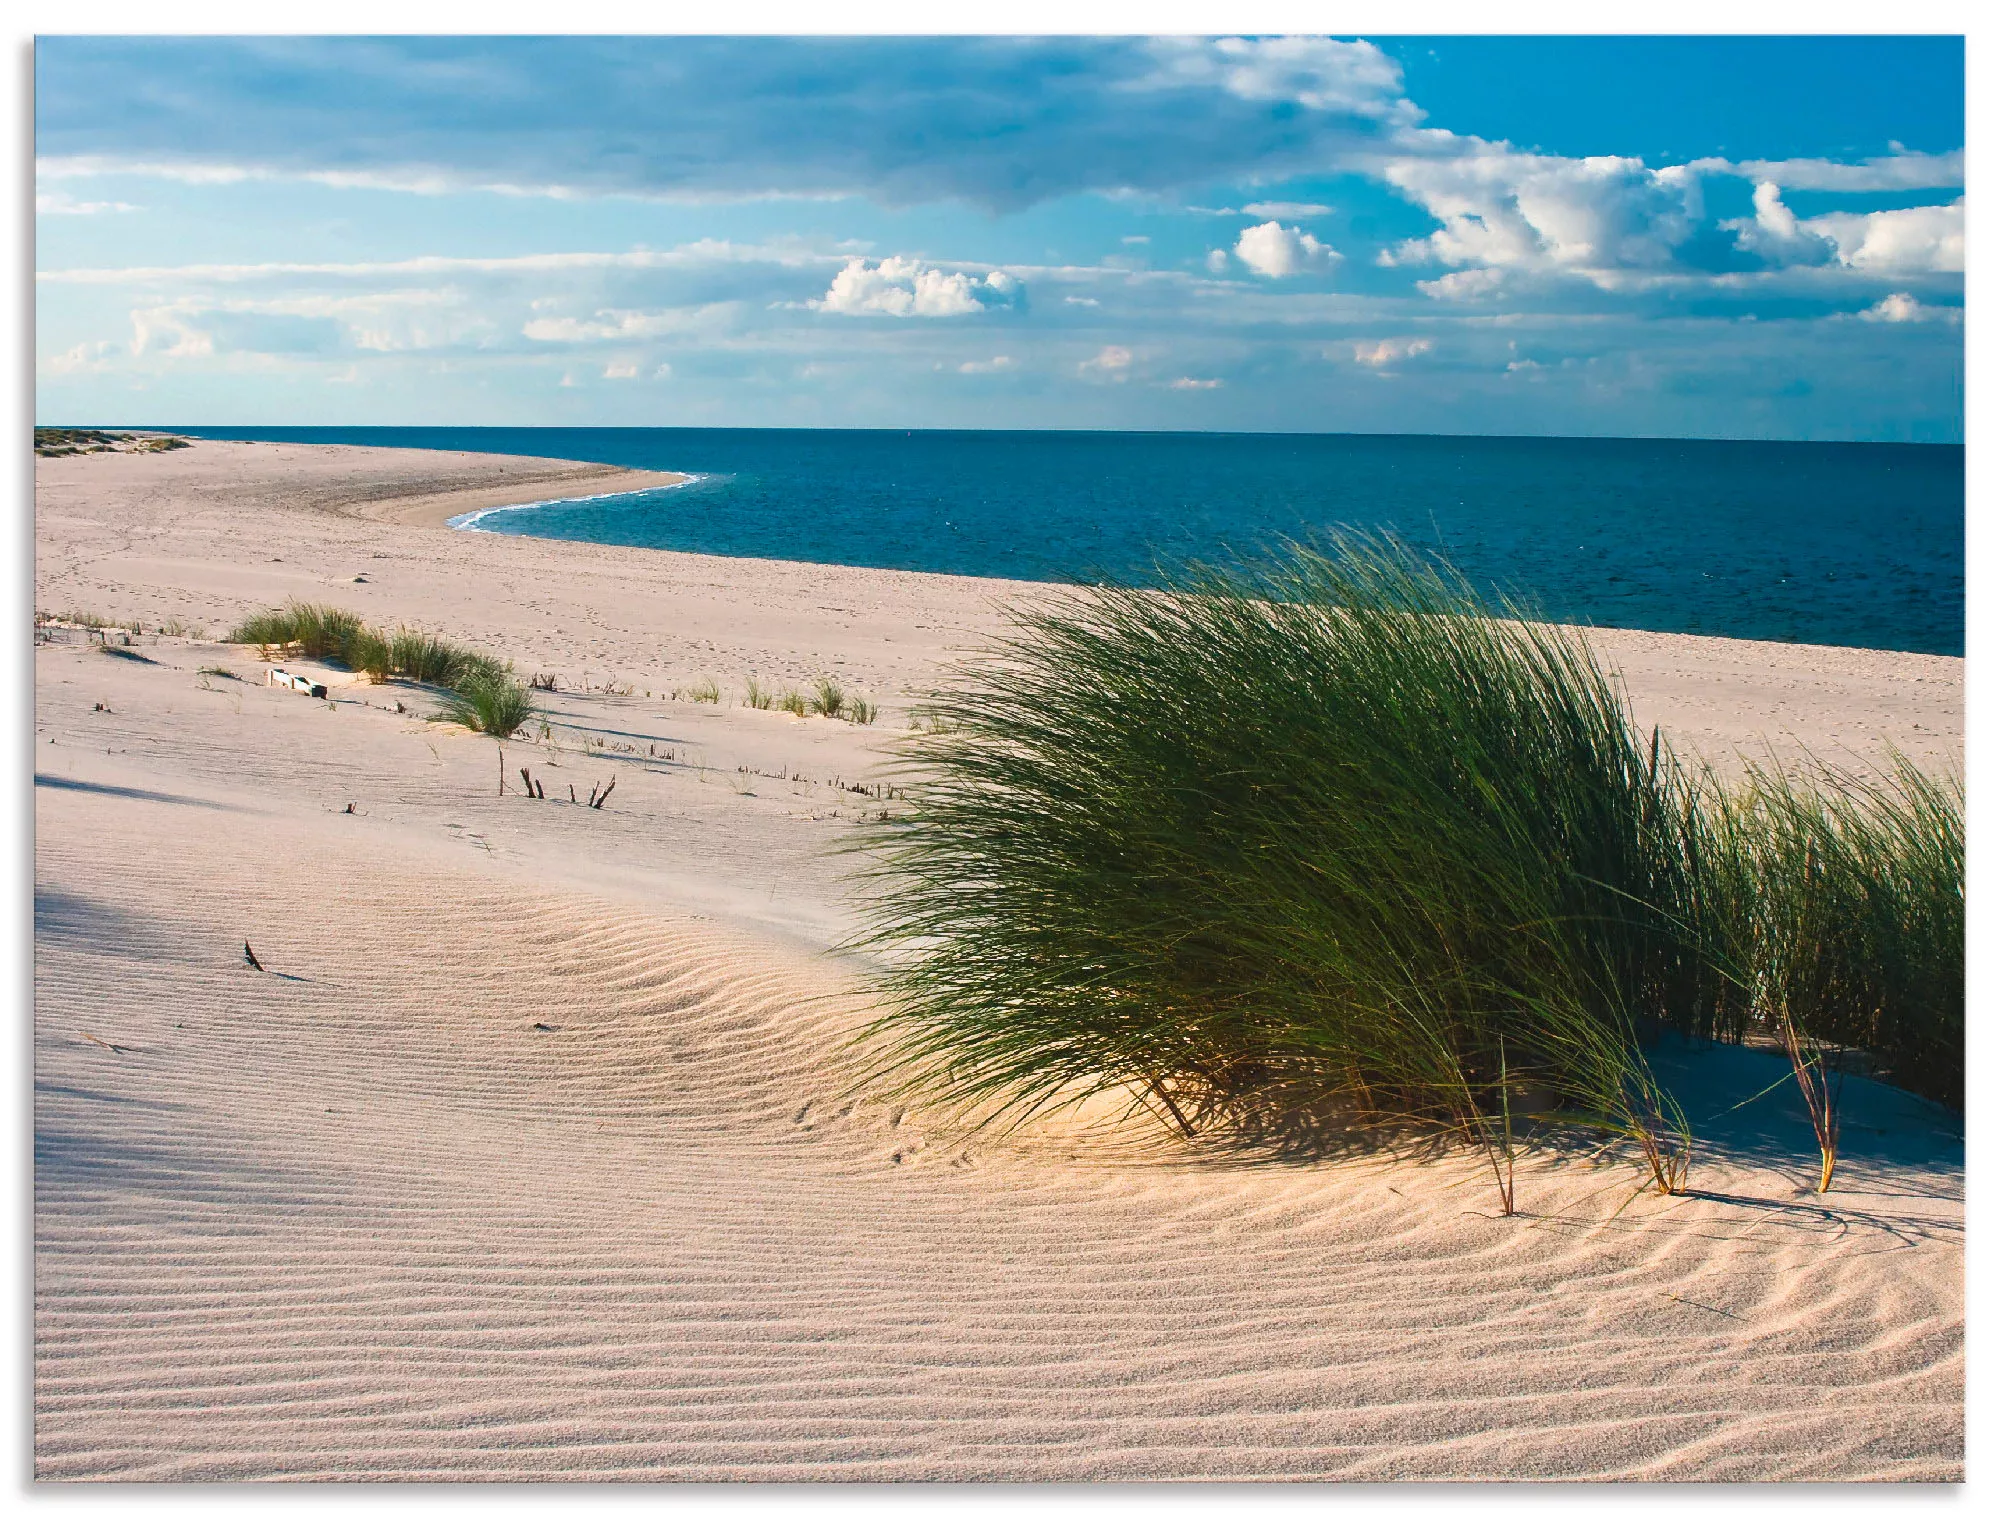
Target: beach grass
(1329, 843)
(498, 705)
(827, 699)
(1835, 904)
(478, 690)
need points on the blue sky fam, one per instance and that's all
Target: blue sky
(1747, 237)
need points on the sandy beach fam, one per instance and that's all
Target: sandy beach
(534, 1154)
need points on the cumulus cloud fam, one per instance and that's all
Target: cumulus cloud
(1391, 350)
(621, 371)
(904, 287)
(1278, 252)
(1924, 239)
(1465, 284)
(992, 365)
(1902, 306)
(1505, 209)
(1775, 234)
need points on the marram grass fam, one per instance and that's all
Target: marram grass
(478, 690)
(1327, 844)
(1316, 842)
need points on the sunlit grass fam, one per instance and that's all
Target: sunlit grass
(1331, 843)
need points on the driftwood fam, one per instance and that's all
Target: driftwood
(597, 803)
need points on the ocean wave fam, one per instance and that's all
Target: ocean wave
(470, 520)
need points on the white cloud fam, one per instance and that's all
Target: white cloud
(1350, 78)
(1217, 261)
(1899, 171)
(613, 325)
(85, 357)
(621, 371)
(169, 331)
(57, 203)
(986, 365)
(1504, 209)
(904, 287)
(1276, 252)
(1774, 233)
(1391, 350)
(1464, 284)
(1293, 210)
(1135, 241)
(1185, 383)
(1924, 239)
(1903, 306)
(706, 252)
(1111, 362)
(1080, 300)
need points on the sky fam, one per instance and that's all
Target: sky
(1618, 236)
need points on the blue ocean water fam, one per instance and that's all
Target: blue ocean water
(1855, 544)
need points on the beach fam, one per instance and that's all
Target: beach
(535, 1149)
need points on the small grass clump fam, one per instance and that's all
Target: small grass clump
(317, 631)
(862, 712)
(498, 705)
(827, 698)
(793, 702)
(757, 697)
(703, 692)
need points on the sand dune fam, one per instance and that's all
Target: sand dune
(534, 1152)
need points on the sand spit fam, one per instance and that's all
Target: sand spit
(531, 1153)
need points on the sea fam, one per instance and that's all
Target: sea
(1849, 544)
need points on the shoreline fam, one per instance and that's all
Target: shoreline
(665, 614)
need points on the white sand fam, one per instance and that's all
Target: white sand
(360, 1216)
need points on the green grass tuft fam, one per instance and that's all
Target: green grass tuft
(827, 698)
(498, 705)
(479, 690)
(1330, 843)
(1322, 837)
